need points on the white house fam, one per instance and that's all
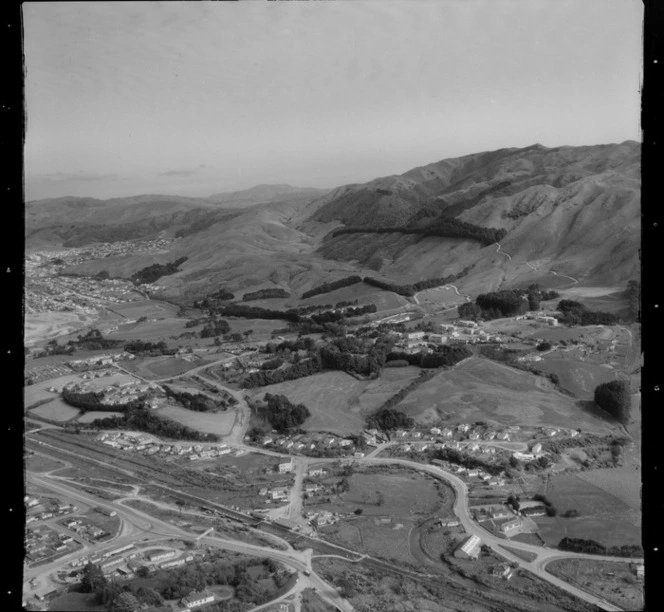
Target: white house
(470, 549)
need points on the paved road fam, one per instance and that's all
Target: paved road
(300, 561)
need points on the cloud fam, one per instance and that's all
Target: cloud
(62, 177)
(178, 173)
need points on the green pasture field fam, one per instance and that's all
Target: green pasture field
(117, 378)
(220, 423)
(604, 517)
(364, 294)
(612, 580)
(392, 493)
(262, 328)
(144, 308)
(480, 389)
(577, 377)
(385, 540)
(76, 602)
(55, 410)
(338, 402)
(39, 391)
(151, 331)
(37, 463)
(158, 368)
(623, 482)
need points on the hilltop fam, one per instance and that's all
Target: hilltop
(570, 210)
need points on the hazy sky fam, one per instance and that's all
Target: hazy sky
(197, 98)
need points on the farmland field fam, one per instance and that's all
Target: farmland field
(144, 308)
(88, 417)
(38, 463)
(578, 377)
(220, 423)
(39, 391)
(613, 580)
(387, 539)
(364, 294)
(394, 494)
(157, 368)
(55, 410)
(150, 331)
(603, 517)
(480, 389)
(337, 401)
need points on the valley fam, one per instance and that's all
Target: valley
(252, 379)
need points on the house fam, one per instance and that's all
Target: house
(162, 556)
(470, 549)
(503, 436)
(474, 436)
(473, 472)
(536, 449)
(463, 427)
(509, 526)
(197, 599)
(446, 433)
(639, 570)
(263, 491)
(435, 430)
(523, 456)
(358, 455)
(267, 441)
(317, 472)
(574, 433)
(285, 468)
(534, 511)
(448, 522)
(345, 442)
(279, 493)
(499, 513)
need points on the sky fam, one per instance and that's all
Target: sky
(197, 98)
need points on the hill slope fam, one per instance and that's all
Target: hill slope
(574, 211)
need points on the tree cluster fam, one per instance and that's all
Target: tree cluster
(282, 414)
(92, 400)
(254, 312)
(575, 313)
(140, 346)
(445, 227)
(264, 294)
(633, 295)
(388, 419)
(413, 288)
(305, 367)
(592, 547)
(215, 327)
(93, 341)
(213, 299)
(331, 286)
(197, 402)
(444, 356)
(615, 398)
(331, 316)
(141, 419)
(156, 271)
(452, 455)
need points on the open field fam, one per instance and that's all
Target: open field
(605, 299)
(150, 331)
(443, 297)
(93, 415)
(480, 389)
(387, 539)
(623, 483)
(117, 378)
(55, 410)
(612, 580)
(387, 492)
(262, 328)
(145, 308)
(43, 326)
(39, 391)
(220, 423)
(364, 294)
(156, 368)
(38, 463)
(76, 602)
(577, 377)
(337, 401)
(604, 518)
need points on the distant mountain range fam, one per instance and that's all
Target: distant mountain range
(570, 210)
